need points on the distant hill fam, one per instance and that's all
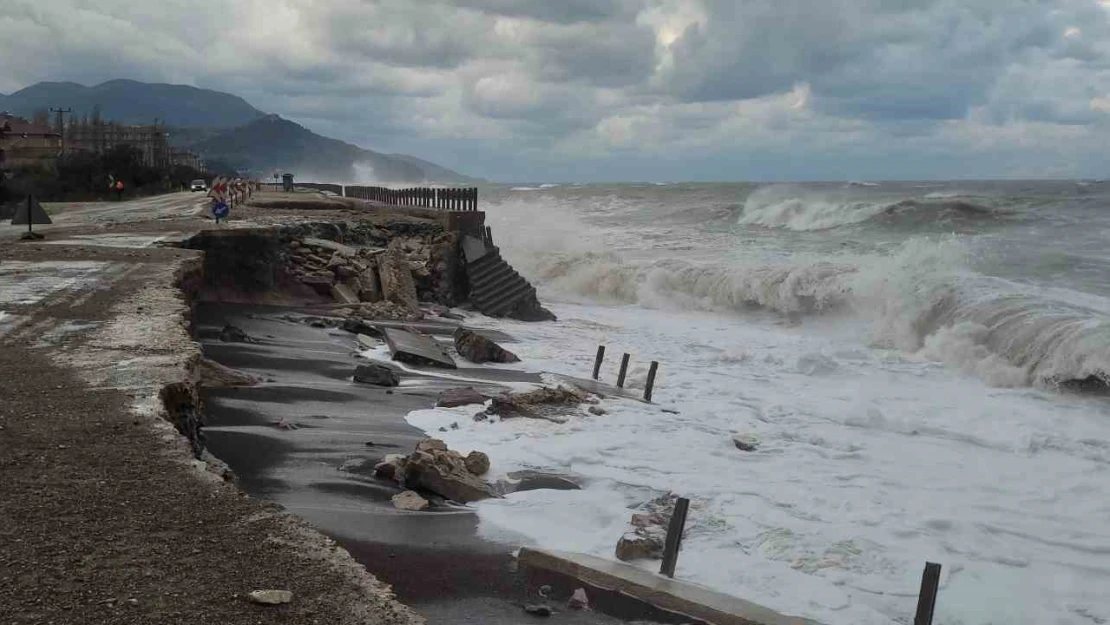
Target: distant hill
(133, 102)
(273, 143)
(225, 128)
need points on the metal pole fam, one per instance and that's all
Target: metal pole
(674, 536)
(624, 371)
(597, 361)
(650, 380)
(927, 600)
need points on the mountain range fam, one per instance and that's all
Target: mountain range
(226, 128)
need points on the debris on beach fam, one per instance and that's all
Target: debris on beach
(479, 349)
(234, 334)
(579, 600)
(455, 397)
(477, 463)
(434, 468)
(410, 500)
(215, 375)
(536, 609)
(377, 375)
(647, 532)
(270, 597)
(746, 442)
(543, 403)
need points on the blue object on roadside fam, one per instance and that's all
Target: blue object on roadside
(220, 210)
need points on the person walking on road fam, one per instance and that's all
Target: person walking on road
(119, 190)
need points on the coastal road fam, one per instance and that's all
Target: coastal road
(105, 516)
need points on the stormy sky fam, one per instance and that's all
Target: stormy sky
(587, 90)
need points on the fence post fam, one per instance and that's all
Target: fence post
(598, 359)
(674, 536)
(927, 600)
(624, 371)
(650, 380)
(489, 235)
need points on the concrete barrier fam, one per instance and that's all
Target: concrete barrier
(669, 595)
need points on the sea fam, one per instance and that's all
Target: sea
(922, 364)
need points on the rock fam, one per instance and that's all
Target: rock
(539, 480)
(331, 246)
(316, 260)
(396, 280)
(132, 602)
(478, 349)
(538, 610)
(544, 403)
(579, 600)
(233, 334)
(357, 326)
(597, 410)
(746, 442)
(445, 473)
(411, 501)
(320, 284)
(477, 463)
(371, 286)
(215, 375)
(378, 375)
(392, 467)
(270, 597)
(455, 397)
(342, 294)
(389, 311)
(647, 531)
(343, 272)
(431, 444)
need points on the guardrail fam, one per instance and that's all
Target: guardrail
(464, 200)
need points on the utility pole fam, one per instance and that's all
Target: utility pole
(61, 124)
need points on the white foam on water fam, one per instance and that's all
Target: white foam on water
(872, 461)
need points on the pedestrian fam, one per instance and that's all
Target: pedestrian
(119, 190)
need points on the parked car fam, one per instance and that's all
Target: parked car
(198, 185)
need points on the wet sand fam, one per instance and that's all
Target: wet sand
(322, 471)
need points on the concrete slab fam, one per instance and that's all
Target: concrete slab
(416, 348)
(342, 293)
(473, 248)
(671, 595)
(345, 250)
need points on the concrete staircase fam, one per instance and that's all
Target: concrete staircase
(496, 289)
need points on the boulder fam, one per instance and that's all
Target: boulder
(396, 280)
(477, 463)
(378, 375)
(343, 272)
(445, 473)
(479, 349)
(538, 609)
(597, 411)
(647, 531)
(330, 246)
(431, 444)
(544, 403)
(388, 311)
(455, 397)
(411, 501)
(746, 442)
(392, 467)
(579, 600)
(215, 375)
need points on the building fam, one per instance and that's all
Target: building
(23, 143)
(188, 159)
(100, 137)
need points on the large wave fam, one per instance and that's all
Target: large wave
(782, 206)
(923, 300)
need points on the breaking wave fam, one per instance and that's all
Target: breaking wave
(923, 300)
(781, 207)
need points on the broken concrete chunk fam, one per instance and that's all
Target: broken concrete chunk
(342, 294)
(479, 349)
(579, 600)
(378, 375)
(410, 501)
(455, 397)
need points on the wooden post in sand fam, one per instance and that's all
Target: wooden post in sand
(927, 600)
(624, 371)
(650, 380)
(597, 361)
(674, 536)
